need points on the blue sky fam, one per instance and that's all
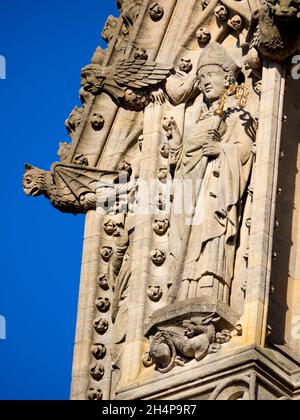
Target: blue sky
(45, 43)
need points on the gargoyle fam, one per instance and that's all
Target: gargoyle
(129, 82)
(274, 29)
(191, 339)
(76, 188)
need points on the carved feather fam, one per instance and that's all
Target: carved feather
(140, 76)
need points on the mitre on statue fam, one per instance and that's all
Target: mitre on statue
(216, 54)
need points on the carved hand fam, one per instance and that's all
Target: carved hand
(211, 150)
(158, 97)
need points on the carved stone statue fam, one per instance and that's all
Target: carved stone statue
(216, 158)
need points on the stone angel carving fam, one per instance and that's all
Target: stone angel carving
(129, 82)
(76, 188)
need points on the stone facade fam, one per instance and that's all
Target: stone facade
(184, 158)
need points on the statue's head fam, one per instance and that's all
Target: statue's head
(34, 181)
(216, 71)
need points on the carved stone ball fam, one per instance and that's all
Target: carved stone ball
(156, 11)
(98, 351)
(154, 293)
(103, 282)
(81, 160)
(101, 325)
(160, 227)
(158, 257)
(106, 253)
(102, 304)
(236, 23)
(185, 65)
(221, 13)
(141, 54)
(97, 371)
(97, 121)
(203, 35)
(163, 174)
(95, 394)
(109, 227)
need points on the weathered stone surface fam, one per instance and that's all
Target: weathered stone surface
(184, 157)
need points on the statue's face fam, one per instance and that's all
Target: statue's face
(212, 80)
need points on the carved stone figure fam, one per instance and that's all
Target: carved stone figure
(130, 10)
(109, 29)
(186, 336)
(276, 29)
(128, 82)
(201, 282)
(74, 120)
(216, 155)
(74, 188)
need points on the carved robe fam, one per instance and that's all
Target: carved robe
(210, 254)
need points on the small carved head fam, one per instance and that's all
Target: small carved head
(103, 282)
(92, 78)
(95, 394)
(168, 125)
(74, 119)
(154, 293)
(141, 54)
(109, 227)
(163, 174)
(236, 23)
(160, 227)
(101, 326)
(81, 160)
(185, 65)
(203, 35)
(165, 150)
(102, 304)
(97, 121)
(97, 371)
(156, 11)
(158, 257)
(98, 351)
(221, 12)
(109, 27)
(106, 253)
(34, 181)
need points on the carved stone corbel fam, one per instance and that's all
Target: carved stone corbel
(189, 330)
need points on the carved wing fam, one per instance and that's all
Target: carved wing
(77, 187)
(82, 180)
(138, 74)
(129, 82)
